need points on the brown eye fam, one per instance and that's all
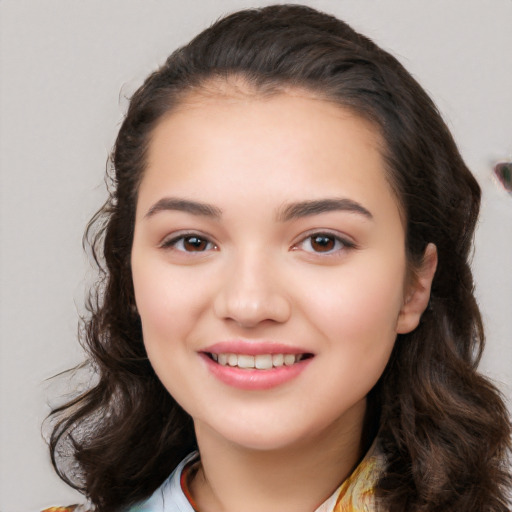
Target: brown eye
(322, 243)
(189, 243)
(195, 244)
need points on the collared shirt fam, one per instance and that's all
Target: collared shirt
(355, 494)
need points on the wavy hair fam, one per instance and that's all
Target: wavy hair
(443, 427)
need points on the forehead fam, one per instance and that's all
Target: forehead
(232, 93)
(291, 142)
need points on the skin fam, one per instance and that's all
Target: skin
(256, 274)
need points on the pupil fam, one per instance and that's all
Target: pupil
(323, 243)
(194, 243)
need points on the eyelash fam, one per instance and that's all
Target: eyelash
(178, 243)
(340, 243)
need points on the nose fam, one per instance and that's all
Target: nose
(251, 293)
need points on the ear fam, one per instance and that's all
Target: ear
(418, 293)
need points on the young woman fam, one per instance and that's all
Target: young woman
(285, 319)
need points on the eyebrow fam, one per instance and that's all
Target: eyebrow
(306, 208)
(184, 205)
(286, 213)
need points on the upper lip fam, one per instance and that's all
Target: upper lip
(252, 348)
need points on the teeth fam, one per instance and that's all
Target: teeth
(263, 362)
(289, 359)
(245, 361)
(260, 362)
(278, 359)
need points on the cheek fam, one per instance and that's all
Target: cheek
(357, 322)
(168, 312)
(361, 303)
(166, 304)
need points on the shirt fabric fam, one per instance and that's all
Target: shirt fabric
(355, 494)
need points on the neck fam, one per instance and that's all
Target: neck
(295, 478)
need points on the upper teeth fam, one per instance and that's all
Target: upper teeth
(261, 361)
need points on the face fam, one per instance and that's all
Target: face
(268, 265)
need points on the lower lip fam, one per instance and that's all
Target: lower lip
(255, 379)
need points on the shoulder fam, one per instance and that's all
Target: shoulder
(171, 496)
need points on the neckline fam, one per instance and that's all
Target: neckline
(186, 476)
(348, 490)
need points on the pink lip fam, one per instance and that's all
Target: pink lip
(250, 379)
(254, 379)
(252, 348)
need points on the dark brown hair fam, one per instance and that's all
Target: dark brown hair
(443, 427)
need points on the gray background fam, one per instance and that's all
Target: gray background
(67, 67)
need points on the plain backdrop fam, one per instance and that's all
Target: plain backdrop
(66, 69)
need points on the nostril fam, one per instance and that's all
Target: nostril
(250, 308)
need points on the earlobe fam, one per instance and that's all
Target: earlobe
(418, 293)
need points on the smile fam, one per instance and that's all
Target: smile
(258, 362)
(255, 366)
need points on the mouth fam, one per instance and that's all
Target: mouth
(254, 365)
(257, 362)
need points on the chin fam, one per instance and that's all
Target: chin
(266, 442)
(263, 436)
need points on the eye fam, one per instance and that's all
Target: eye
(189, 243)
(326, 243)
